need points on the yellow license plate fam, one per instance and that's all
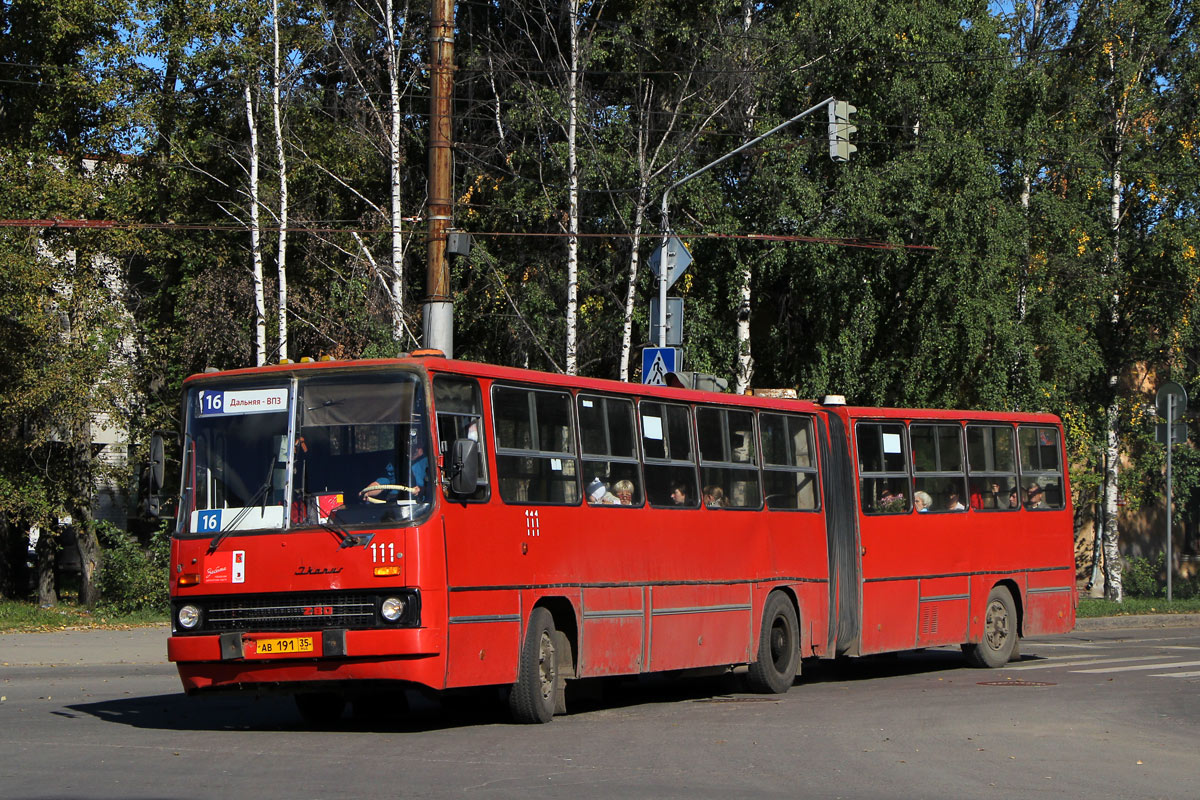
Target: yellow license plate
(293, 644)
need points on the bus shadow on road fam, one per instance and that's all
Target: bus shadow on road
(422, 713)
(886, 665)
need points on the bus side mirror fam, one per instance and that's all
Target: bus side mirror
(157, 468)
(463, 469)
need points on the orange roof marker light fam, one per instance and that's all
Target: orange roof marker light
(427, 352)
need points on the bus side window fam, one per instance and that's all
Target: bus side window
(535, 446)
(667, 448)
(938, 465)
(1041, 468)
(608, 438)
(728, 457)
(459, 411)
(789, 469)
(882, 468)
(992, 464)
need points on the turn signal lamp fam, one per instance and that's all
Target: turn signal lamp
(387, 572)
(189, 579)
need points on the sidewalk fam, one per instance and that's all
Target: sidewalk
(1090, 624)
(89, 647)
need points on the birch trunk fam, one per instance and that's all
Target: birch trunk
(639, 216)
(281, 256)
(572, 362)
(1112, 450)
(397, 236)
(260, 315)
(745, 357)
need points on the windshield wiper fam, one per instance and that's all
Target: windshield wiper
(346, 538)
(260, 497)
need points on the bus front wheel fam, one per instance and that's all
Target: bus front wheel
(533, 697)
(778, 647)
(999, 640)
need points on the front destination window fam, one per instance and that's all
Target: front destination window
(346, 451)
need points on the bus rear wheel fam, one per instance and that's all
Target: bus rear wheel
(534, 697)
(778, 647)
(999, 632)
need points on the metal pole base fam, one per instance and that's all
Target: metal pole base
(438, 326)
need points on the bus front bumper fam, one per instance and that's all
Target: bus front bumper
(246, 660)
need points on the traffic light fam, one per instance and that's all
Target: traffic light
(840, 130)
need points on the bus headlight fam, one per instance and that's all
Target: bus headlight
(188, 616)
(392, 608)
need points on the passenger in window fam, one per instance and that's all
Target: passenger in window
(714, 497)
(1014, 499)
(997, 497)
(922, 501)
(953, 503)
(599, 495)
(1036, 497)
(624, 492)
(679, 494)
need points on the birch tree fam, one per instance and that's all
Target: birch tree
(256, 259)
(281, 162)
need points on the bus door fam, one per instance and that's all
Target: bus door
(483, 622)
(841, 527)
(887, 553)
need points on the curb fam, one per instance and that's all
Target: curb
(1089, 624)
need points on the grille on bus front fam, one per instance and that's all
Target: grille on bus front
(288, 612)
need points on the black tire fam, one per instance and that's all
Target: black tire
(999, 632)
(534, 697)
(321, 709)
(778, 647)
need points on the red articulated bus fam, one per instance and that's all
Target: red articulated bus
(430, 523)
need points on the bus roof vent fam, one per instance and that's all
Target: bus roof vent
(833, 400)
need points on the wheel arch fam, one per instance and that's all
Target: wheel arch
(1018, 602)
(566, 623)
(789, 591)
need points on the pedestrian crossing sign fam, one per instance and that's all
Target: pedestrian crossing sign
(657, 362)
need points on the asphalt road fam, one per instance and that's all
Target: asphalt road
(1107, 712)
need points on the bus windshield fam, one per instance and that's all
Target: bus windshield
(321, 451)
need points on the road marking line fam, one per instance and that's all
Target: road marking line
(1052, 662)
(1036, 643)
(1141, 666)
(1177, 675)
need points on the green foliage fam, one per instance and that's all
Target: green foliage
(1140, 576)
(1098, 607)
(134, 578)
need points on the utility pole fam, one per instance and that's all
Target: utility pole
(438, 310)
